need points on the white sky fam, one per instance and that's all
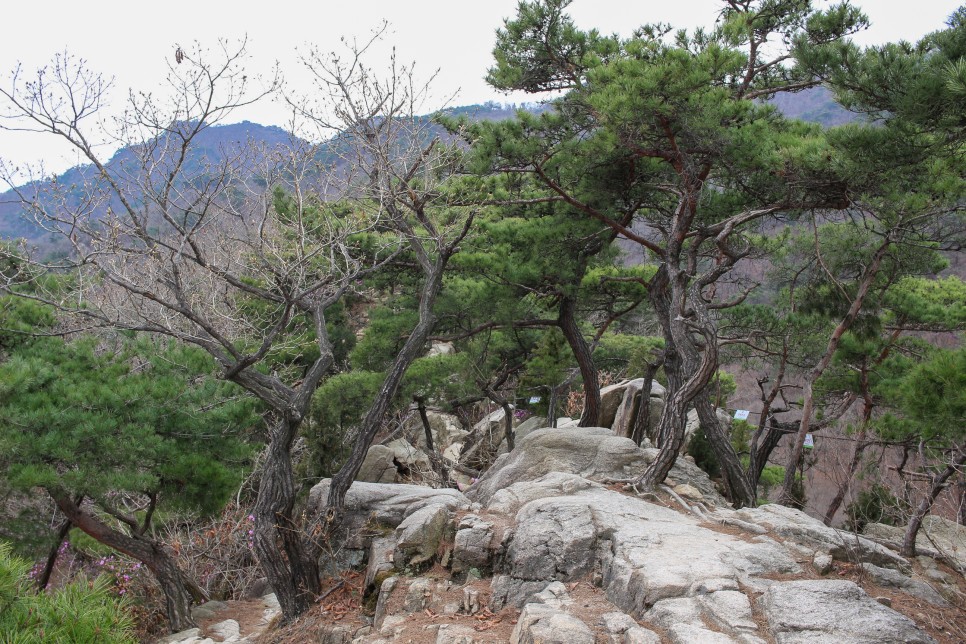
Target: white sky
(132, 40)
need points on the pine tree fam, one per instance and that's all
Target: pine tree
(113, 431)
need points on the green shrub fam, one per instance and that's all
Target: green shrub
(876, 504)
(771, 476)
(80, 612)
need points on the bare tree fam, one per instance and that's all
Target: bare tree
(242, 253)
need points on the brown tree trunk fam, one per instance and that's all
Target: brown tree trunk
(643, 417)
(787, 496)
(152, 554)
(682, 312)
(763, 444)
(840, 493)
(567, 320)
(390, 386)
(740, 491)
(937, 485)
(435, 457)
(291, 569)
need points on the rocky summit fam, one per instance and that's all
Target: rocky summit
(546, 547)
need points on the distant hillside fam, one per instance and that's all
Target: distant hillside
(815, 105)
(215, 143)
(211, 146)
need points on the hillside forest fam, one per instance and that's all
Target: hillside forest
(199, 329)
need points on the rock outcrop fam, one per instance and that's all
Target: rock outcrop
(544, 549)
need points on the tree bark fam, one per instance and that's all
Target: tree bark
(643, 417)
(836, 502)
(373, 421)
(152, 554)
(435, 457)
(739, 489)
(682, 312)
(567, 319)
(938, 483)
(507, 416)
(291, 569)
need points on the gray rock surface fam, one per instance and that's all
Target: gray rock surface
(420, 534)
(455, 634)
(546, 624)
(586, 451)
(471, 547)
(412, 463)
(895, 579)
(378, 467)
(834, 611)
(941, 537)
(626, 414)
(386, 504)
(446, 430)
(642, 552)
(380, 560)
(620, 628)
(382, 602)
(797, 526)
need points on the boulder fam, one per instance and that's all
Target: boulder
(380, 560)
(455, 634)
(543, 624)
(585, 451)
(420, 535)
(378, 467)
(437, 348)
(225, 630)
(834, 611)
(941, 537)
(471, 547)
(894, 579)
(523, 430)
(412, 463)
(624, 418)
(509, 500)
(611, 397)
(640, 552)
(385, 505)
(622, 629)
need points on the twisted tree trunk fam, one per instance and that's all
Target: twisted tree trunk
(937, 485)
(740, 491)
(291, 569)
(174, 583)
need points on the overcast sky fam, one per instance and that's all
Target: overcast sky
(132, 40)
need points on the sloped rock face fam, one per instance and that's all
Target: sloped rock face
(619, 404)
(797, 526)
(639, 552)
(421, 516)
(543, 527)
(585, 451)
(938, 537)
(446, 430)
(834, 611)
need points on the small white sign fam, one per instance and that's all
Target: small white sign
(809, 442)
(534, 399)
(741, 414)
